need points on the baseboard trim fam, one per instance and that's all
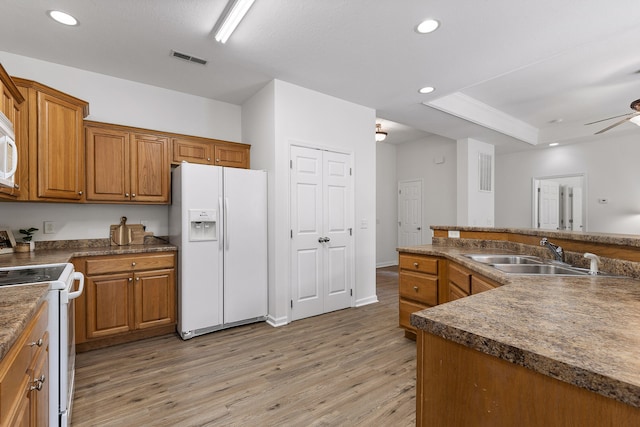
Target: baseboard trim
(277, 322)
(366, 301)
(386, 264)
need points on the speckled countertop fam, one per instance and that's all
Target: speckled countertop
(18, 304)
(581, 330)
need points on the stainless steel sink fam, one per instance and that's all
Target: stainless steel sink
(504, 259)
(548, 269)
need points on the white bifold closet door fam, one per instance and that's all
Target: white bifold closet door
(321, 231)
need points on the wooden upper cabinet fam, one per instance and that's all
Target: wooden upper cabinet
(126, 167)
(209, 152)
(52, 128)
(108, 177)
(150, 169)
(233, 156)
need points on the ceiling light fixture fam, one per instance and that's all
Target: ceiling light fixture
(427, 26)
(230, 18)
(62, 17)
(553, 144)
(380, 134)
(427, 89)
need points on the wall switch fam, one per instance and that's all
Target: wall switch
(49, 227)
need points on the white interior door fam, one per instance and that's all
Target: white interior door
(321, 217)
(548, 205)
(576, 219)
(409, 213)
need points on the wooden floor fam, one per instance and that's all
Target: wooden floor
(348, 368)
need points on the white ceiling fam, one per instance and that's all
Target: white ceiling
(537, 61)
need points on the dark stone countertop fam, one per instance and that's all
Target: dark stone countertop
(582, 330)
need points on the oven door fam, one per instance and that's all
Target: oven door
(68, 346)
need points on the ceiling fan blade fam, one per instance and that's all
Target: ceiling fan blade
(619, 122)
(604, 120)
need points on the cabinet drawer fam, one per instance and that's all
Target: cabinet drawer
(116, 264)
(419, 287)
(480, 284)
(406, 308)
(460, 277)
(419, 263)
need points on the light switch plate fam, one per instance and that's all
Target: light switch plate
(454, 234)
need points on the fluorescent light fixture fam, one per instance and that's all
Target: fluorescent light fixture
(230, 18)
(62, 17)
(427, 26)
(427, 89)
(635, 120)
(553, 144)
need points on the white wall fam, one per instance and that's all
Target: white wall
(386, 205)
(611, 167)
(300, 114)
(417, 160)
(123, 102)
(475, 207)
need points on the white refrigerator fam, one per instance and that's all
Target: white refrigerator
(218, 220)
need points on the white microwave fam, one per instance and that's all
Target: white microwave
(8, 153)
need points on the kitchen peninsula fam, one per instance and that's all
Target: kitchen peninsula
(537, 350)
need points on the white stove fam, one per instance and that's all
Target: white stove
(62, 347)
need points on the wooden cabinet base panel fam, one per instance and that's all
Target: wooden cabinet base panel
(125, 338)
(459, 386)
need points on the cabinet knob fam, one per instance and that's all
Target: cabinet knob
(133, 194)
(137, 279)
(16, 186)
(38, 343)
(133, 264)
(217, 160)
(208, 159)
(126, 194)
(80, 193)
(415, 288)
(130, 279)
(38, 383)
(415, 264)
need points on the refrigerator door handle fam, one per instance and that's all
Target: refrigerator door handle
(220, 222)
(226, 236)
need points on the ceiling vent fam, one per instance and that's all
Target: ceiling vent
(189, 58)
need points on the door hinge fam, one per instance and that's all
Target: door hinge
(350, 171)
(292, 234)
(291, 303)
(351, 232)
(399, 191)
(290, 164)
(351, 292)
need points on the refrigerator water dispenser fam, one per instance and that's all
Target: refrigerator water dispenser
(202, 225)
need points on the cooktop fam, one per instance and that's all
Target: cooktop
(37, 274)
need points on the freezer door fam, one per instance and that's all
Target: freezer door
(245, 244)
(200, 294)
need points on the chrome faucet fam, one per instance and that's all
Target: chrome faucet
(558, 253)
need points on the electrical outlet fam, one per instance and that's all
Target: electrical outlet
(49, 227)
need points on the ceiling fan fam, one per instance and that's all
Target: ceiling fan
(634, 117)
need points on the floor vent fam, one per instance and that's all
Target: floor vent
(189, 58)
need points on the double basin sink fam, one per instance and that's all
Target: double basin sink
(527, 264)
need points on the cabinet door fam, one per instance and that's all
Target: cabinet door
(107, 165)
(233, 156)
(39, 399)
(191, 151)
(60, 149)
(109, 305)
(150, 168)
(155, 298)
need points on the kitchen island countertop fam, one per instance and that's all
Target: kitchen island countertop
(581, 330)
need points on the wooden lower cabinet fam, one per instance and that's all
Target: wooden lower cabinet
(460, 386)
(464, 282)
(418, 287)
(127, 297)
(24, 375)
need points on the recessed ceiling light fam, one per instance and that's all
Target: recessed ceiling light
(427, 89)
(553, 144)
(62, 17)
(427, 26)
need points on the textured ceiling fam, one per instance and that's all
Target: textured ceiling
(536, 61)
